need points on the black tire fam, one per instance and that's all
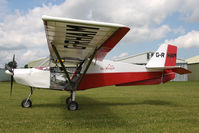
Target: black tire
(72, 106)
(26, 104)
(68, 100)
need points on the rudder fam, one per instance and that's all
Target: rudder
(171, 56)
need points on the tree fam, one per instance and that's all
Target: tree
(26, 66)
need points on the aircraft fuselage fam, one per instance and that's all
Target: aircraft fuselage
(100, 73)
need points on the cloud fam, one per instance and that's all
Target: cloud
(23, 56)
(188, 40)
(20, 34)
(194, 17)
(121, 55)
(3, 8)
(189, 10)
(136, 12)
(145, 33)
(179, 30)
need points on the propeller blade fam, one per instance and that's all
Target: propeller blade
(12, 79)
(13, 59)
(14, 63)
(10, 71)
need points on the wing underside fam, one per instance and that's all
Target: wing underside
(76, 40)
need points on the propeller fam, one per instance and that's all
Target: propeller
(10, 70)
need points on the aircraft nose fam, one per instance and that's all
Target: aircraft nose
(8, 72)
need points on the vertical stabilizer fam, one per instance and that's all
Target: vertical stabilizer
(165, 56)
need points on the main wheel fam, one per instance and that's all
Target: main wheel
(68, 100)
(73, 106)
(26, 103)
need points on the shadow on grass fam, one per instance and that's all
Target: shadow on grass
(86, 103)
(91, 114)
(158, 102)
(94, 113)
(149, 102)
(49, 105)
(124, 102)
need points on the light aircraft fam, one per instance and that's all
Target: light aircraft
(84, 44)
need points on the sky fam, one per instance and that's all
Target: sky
(152, 23)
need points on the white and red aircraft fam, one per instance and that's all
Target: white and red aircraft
(84, 44)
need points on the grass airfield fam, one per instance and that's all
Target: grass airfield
(168, 108)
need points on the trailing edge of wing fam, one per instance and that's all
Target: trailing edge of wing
(77, 39)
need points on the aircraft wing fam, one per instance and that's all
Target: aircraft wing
(76, 40)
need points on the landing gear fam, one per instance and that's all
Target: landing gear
(70, 101)
(73, 106)
(26, 103)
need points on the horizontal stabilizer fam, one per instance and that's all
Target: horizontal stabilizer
(180, 70)
(176, 69)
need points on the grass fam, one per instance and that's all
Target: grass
(169, 108)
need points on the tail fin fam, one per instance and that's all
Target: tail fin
(165, 59)
(165, 56)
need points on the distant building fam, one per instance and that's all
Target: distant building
(3, 75)
(143, 58)
(193, 65)
(45, 61)
(42, 62)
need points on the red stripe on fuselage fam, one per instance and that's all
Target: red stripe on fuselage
(106, 79)
(153, 81)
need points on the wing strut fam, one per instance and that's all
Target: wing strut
(87, 66)
(62, 64)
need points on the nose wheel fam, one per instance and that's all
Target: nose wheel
(27, 103)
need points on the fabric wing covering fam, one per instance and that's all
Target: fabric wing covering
(76, 40)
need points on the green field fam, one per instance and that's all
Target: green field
(169, 108)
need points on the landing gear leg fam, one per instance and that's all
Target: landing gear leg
(72, 104)
(26, 103)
